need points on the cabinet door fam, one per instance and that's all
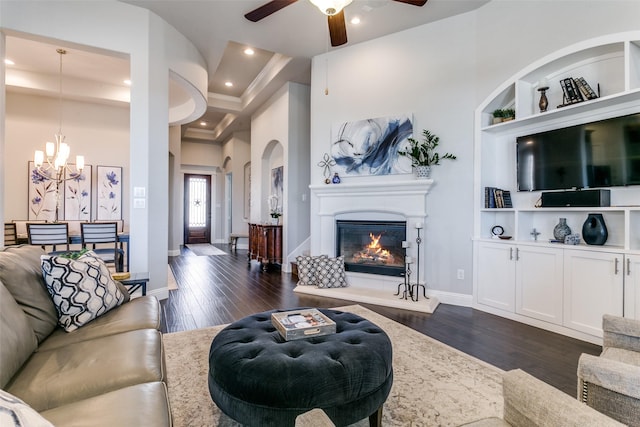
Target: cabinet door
(632, 286)
(593, 286)
(496, 275)
(539, 280)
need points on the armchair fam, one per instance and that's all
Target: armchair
(610, 383)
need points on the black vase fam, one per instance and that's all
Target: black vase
(594, 230)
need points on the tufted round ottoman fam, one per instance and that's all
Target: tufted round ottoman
(259, 379)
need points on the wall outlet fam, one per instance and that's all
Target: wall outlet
(460, 274)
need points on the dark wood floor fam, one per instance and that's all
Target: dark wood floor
(213, 290)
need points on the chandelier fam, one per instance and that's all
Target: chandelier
(330, 7)
(52, 164)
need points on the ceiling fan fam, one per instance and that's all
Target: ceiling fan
(332, 8)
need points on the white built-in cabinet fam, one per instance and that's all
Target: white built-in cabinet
(593, 286)
(558, 287)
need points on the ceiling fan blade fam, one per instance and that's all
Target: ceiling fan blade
(413, 2)
(267, 9)
(337, 29)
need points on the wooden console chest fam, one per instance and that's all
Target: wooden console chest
(265, 244)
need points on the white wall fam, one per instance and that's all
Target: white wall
(154, 48)
(99, 132)
(281, 120)
(440, 72)
(238, 152)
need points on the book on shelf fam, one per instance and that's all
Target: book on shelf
(586, 89)
(570, 90)
(497, 198)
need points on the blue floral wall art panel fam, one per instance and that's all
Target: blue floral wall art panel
(42, 195)
(77, 194)
(370, 147)
(109, 190)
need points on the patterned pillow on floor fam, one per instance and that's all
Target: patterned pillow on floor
(330, 273)
(307, 269)
(81, 289)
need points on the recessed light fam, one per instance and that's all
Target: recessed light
(9, 62)
(127, 82)
(355, 20)
(203, 123)
(228, 84)
(249, 51)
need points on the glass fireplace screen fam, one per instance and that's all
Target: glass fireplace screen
(373, 247)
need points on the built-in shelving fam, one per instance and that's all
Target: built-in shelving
(612, 63)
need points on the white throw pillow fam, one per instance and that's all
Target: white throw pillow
(15, 413)
(81, 289)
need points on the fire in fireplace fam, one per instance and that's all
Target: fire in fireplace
(373, 247)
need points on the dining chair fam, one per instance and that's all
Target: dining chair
(49, 234)
(10, 234)
(103, 233)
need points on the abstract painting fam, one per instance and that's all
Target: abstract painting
(42, 195)
(109, 193)
(277, 186)
(77, 194)
(247, 190)
(370, 147)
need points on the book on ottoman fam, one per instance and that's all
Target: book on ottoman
(305, 323)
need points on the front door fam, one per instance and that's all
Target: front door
(197, 209)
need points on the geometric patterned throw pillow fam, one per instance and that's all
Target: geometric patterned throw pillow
(307, 268)
(81, 289)
(330, 273)
(14, 412)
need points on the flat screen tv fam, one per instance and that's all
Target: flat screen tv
(605, 153)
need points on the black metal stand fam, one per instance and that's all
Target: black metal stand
(418, 285)
(406, 292)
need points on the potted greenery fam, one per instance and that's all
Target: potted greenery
(423, 154)
(497, 116)
(508, 114)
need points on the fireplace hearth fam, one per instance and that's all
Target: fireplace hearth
(373, 247)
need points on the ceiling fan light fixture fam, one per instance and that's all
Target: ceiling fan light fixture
(330, 7)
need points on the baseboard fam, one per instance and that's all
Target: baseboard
(461, 300)
(175, 252)
(159, 293)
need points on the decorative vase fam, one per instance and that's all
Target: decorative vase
(594, 230)
(336, 178)
(561, 230)
(423, 172)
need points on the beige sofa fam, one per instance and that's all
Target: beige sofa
(109, 372)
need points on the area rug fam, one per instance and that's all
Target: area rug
(434, 384)
(205, 249)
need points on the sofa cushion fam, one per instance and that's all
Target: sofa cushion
(15, 413)
(138, 405)
(17, 339)
(330, 273)
(139, 313)
(21, 273)
(81, 289)
(89, 368)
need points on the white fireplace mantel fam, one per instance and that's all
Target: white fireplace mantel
(404, 200)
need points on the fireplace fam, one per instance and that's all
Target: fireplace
(373, 247)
